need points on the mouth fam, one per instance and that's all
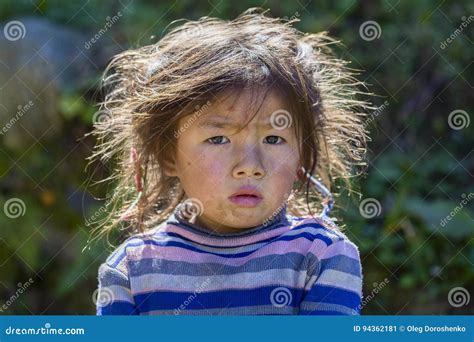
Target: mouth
(247, 201)
(246, 198)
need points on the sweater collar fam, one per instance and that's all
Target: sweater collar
(280, 219)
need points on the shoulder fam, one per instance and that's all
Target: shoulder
(120, 256)
(327, 239)
(332, 255)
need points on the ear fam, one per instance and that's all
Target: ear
(169, 167)
(299, 174)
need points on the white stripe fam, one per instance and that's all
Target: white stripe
(152, 282)
(113, 293)
(341, 280)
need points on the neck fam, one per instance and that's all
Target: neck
(200, 225)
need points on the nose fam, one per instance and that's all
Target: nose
(250, 165)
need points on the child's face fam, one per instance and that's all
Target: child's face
(213, 163)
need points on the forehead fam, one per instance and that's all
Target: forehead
(241, 107)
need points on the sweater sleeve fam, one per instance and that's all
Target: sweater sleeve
(114, 296)
(334, 282)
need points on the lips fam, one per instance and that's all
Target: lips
(247, 197)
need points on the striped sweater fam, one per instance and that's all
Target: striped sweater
(287, 266)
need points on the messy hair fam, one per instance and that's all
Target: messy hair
(149, 89)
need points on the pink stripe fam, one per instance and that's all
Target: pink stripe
(235, 241)
(343, 247)
(230, 242)
(300, 245)
(320, 221)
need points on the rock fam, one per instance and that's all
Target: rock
(38, 60)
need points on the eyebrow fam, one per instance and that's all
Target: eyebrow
(223, 123)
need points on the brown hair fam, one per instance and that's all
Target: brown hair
(150, 88)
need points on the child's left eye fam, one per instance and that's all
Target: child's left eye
(272, 139)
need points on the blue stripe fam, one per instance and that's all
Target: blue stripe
(117, 308)
(311, 225)
(282, 237)
(333, 295)
(171, 300)
(342, 263)
(110, 277)
(266, 230)
(294, 261)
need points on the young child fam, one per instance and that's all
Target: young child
(218, 132)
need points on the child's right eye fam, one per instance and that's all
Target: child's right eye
(217, 140)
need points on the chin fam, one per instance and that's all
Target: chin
(250, 224)
(243, 218)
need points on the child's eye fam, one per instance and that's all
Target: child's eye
(272, 139)
(220, 140)
(217, 140)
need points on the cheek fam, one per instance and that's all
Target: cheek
(204, 170)
(213, 166)
(283, 177)
(210, 165)
(285, 169)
